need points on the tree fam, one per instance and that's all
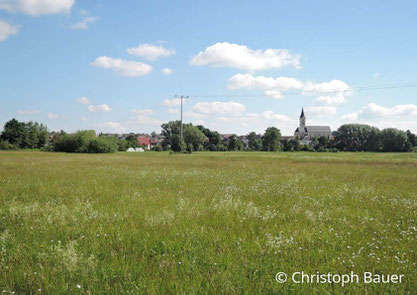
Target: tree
(169, 131)
(394, 140)
(412, 138)
(177, 143)
(271, 139)
(214, 140)
(235, 144)
(194, 137)
(357, 137)
(292, 145)
(132, 141)
(254, 142)
(15, 133)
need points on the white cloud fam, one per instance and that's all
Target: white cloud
(83, 100)
(331, 100)
(114, 126)
(167, 71)
(330, 93)
(332, 87)
(144, 112)
(150, 52)
(37, 7)
(226, 54)
(53, 116)
(258, 122)
(147, 120)
(374, 111)
(83, 25)
(7, 30)
(194, 115)
(321, 111)
(376, 75)
(172, 102)
(172, 111)
(274, 94)
(84, 118)
(274, 86)
(123, 67)
(218, 107)
(28, 112)
(400, 116)
(99, 108)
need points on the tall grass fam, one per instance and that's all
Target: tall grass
(205, 223)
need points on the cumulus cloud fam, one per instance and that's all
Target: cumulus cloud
(258, 122)
(332, 87)
(226, 54)
(172, 111)
(37, 7)
(374, 111)
(218, 107)
(274, 86)
(150, 52)
(331, 100)
(83, 100)
(28, 112)
(144, 112)
(114, 126)
(123, 67)
(7, 30)
(53, 116)
(167, 71)
(330, 93)
(399, 116)
(321, 111)
(172, 102)
(99, 108)
(83, 25)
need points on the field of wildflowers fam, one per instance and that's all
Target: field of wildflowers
(157, 223)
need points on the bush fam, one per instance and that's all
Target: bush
(101, 145)
(84, 142)
(157, 148)
(4, 145)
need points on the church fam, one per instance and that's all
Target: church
(306, 133)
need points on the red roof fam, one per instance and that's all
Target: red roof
(143, 140)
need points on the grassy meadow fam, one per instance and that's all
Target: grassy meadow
(155, 223)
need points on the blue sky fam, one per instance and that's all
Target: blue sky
(115, 66)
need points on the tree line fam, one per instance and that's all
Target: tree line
(348, 137)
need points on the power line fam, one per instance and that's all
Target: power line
(312, 92)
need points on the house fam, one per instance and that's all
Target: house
(144, 140)
(306, 133)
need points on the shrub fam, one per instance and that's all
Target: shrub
(84, 142)
(157, 148)
(4, 145)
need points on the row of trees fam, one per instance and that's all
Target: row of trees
(357, 137)
(349, 137)
(199, 138)
(23, 135)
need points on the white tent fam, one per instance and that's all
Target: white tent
(140, 150)
(130, 150)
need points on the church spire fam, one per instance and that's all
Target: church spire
(302, 113)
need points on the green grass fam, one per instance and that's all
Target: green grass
(156, 223)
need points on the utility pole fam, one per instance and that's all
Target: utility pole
(181, 97)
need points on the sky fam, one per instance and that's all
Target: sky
(116, 66)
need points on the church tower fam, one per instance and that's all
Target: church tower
(302, 122)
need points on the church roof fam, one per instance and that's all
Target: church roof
(302, 113)
(318, 129)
